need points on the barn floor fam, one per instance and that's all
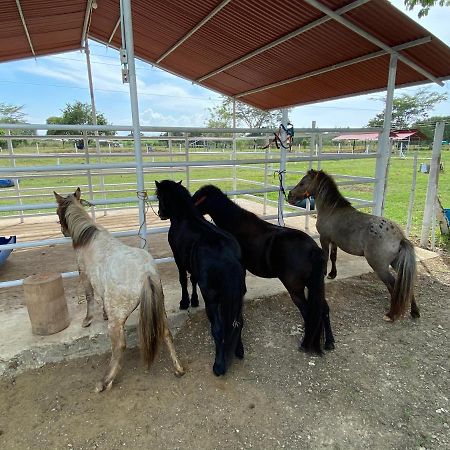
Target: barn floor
(20, 349)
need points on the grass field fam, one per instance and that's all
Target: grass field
(399, 182)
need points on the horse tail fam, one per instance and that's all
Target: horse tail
(406, 276)
(152, 320)
(231, 307)
(314, 325)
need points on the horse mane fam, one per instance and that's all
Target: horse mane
(328, 191)
(79, 223)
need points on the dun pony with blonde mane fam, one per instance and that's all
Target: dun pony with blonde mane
(123, 277)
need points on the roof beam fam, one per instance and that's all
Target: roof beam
(191, 32)
(87, 20)
(346, 23)
(340, 65)
(282, 39)
(22, 18)
(114, 31)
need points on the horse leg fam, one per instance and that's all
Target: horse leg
(325, 244)
(329, 338)
(415, 313)
(212, 310)
(184, 303)
(239, 350)
(117, 336)
(333, 257)
(89, 292)
(168, 339)
(388, 279)
(194, 296)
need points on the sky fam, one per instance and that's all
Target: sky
(45, 85)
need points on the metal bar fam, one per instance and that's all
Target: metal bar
(193, 30)
(89, 174)
(114, 30)
(129, 44)
(22, 18)
(348, 24)
(261, 131)
(337, 66)
(412, 194)
(383, 141)
(282, 169)
(13, 163)
(87, 18)
(234, 146)
(433, 181)
(282, 39)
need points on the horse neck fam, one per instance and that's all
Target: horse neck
(226, 214)
(81, 227)
(327, 196)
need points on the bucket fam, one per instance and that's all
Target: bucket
(425, 168)
(46, 303)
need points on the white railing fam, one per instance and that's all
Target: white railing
(268, 162)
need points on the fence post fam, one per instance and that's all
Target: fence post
(234, 147)
(265, 180)
(433, 180)
(13, 163)
(384, 150)
(88, 173)
(412, 194)
(186, 147)
(127, 29)
(282, 170)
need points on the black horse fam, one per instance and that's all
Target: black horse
(212, 257)
(270, 251)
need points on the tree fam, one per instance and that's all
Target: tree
(427, 126)
(221, 116)
(408, 109)
(13, 114)
(77, 113)
(425, 5)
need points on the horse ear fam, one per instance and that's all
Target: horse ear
(77, 193)
(312, 172)
(59, 198)
(179, 182)
(157, 183)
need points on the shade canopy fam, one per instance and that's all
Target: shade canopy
(269, 54)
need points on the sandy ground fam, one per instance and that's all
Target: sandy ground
(386, 386)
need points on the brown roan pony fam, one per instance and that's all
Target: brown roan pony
(122, 277)
(379, 240)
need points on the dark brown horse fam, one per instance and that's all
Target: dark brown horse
(270, 251)
(379, 240)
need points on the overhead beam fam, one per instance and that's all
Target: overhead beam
(22, 18)
(340, 65)
(191, 32)
(114, 30)
(282, 39)
(346, 23)
(87, 20)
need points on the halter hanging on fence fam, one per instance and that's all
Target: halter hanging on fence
(283, 191)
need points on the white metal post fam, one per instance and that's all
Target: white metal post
(234, 146)
(384, 148)
(186, 148)
(282, 170)
(433, 180)
(94, 117)
(412, 194)
(13, 163)
(127, 27)
(88, 172)
(319, 152)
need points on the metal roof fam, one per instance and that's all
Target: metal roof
(269, 54)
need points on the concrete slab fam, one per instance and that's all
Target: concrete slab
(21, 350)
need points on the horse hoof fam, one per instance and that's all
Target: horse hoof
(184, 305)
(194, 302)
(179, 373)
(239, 352)
(102, 386)
(331, 276)
(329, 346)
(387, 318)
(86, 322)
(415, 314)
(219, 369)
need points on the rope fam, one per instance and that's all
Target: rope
(143, 195)
(282, 190)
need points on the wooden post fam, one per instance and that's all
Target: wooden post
(46, 303)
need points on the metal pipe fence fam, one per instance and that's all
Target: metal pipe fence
(104, 191)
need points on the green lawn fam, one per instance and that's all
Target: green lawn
(399, 183)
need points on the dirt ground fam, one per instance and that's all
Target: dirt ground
(386, 386)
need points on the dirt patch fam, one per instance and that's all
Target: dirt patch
(385, 385)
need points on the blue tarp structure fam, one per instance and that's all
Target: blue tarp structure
(6, 182)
